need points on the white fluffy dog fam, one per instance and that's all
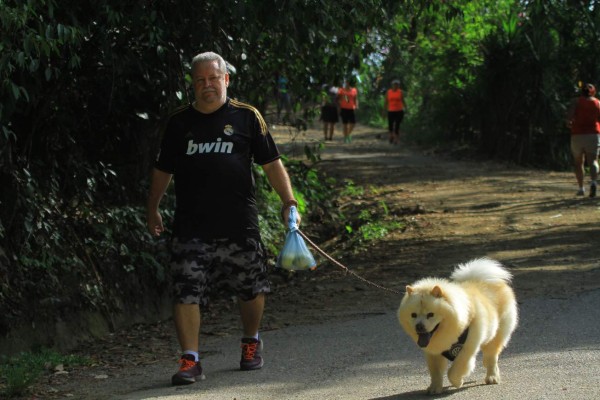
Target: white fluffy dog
(454, 319)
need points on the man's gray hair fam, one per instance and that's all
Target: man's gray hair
(210, 56)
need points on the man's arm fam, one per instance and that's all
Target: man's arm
(280, 181)
(158, 186)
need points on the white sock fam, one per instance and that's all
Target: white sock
(193, 353)
(252, 337)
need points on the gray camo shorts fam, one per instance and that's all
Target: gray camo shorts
(202, 269)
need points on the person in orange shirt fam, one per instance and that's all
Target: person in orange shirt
(584, 121)
(348, 102)
(394, 105)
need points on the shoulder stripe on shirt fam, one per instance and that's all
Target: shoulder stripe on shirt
(261, 120)
(178, 109)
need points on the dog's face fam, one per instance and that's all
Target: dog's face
(421, 312)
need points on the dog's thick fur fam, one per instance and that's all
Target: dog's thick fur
(435, 312)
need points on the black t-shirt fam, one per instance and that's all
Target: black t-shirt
(210, 157)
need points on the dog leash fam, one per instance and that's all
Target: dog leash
(342, 266)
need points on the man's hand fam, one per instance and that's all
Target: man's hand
(285, 215)
(285, 211)
(154, 224)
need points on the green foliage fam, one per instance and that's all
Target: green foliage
(372, 231)
(19, 373)
(78, 255)
(86, 86)
(372, 224)
(493, 76)
(435, 53)
(351, 190)
(37, 48)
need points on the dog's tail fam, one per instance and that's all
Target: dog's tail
(481, 269)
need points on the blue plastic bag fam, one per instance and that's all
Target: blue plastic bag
(295, 255)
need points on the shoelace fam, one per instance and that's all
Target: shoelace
(186, 364)
(249, 350)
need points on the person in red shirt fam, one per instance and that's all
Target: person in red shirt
(394, 105)
(348, 102)
(584, 121)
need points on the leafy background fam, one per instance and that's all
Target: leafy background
(85, 88)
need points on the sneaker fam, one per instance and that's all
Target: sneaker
(581, 192)
(251, 358)
(190, 371)
(592, 190)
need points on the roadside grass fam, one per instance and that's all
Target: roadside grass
(371, 223)
(19, 373)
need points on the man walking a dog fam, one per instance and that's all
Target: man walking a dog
(208, 149)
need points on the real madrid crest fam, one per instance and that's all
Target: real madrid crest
(228, 130)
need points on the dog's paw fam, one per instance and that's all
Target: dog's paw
(456, 379)
(435, 389)
(492, 379)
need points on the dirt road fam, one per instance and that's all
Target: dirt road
(528, 219)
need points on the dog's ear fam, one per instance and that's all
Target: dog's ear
(409, 290)
(437, 292)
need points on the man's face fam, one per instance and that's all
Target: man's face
(210, 86)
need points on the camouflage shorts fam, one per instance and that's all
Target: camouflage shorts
(221, 266)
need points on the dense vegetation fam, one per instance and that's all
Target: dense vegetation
(85, 88)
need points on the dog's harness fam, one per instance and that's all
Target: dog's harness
(456, 347)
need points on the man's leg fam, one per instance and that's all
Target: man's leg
(592, 160)
(187, 324)
(578, 154)
(189, 282)
(594, 170)
(247, 274)
(251, 313)
(279, 107)
(288, 108)
(593, 164)
(578, 163)
(350, 129)
(331, 127)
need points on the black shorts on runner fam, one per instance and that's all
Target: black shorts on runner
(394, 120)
(347, 116)
(202, 269)
(329, 113)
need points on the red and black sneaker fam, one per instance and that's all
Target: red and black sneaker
(251, 358)
(190, 371)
